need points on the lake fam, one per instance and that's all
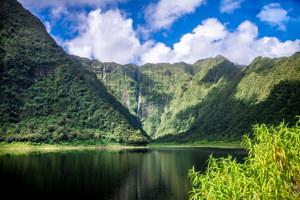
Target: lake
(154, 173)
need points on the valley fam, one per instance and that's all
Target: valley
(213, 99)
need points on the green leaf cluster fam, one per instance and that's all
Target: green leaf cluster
(271, 170)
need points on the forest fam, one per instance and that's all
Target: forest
(49, 96)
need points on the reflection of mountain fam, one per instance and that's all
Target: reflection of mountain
(158, 175)
(125, 174)
(162, 173)
(78, 175)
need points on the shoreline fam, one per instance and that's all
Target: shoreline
(25, 146)
(225, 146)
(31, 147)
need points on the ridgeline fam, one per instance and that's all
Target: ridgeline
(45, 97)
(211, 100)
(50, 96)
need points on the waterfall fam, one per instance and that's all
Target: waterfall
(170, 80)
(137, 76)
(139, 100)
(126, 97)
(140, 92)
(103, 72)
(166, 105)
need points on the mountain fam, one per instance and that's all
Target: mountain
(45, 96)
(213, 99)
(163, 95)
(266, 91)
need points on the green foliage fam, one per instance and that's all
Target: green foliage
(212, 100)
(45, 97)
(163, 96)
(271, 170)
(222, 115)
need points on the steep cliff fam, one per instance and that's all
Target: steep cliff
(45, 96)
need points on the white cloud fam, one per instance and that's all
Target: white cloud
(165, 12)
(110, 37)
(68, 14)
(211, 38)
(41, 4)
(275, 15)
(156, 53)
(228, 6)
(106, 37)
(203, 41)
(59, 11)
(48, 26)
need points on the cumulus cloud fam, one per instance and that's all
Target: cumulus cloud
(156, 53)
(228, 6)
(41, 4)
(275, 15)
(67, 14)
(59, 11)
(107, 37)
(165, 12)
(110, 37)
(48, 26)
(205, 40)
(212, 38)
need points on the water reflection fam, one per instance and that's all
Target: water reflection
(100, 174)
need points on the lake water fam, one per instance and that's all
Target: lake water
(155, 173)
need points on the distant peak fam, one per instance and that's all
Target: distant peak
(220, 57)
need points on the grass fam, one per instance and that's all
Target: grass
(27, 147)
(15, 148)
(271, 170)
(4, 146)
(215, 144)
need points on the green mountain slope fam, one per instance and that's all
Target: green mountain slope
(266, 91)
(164, 96)
(45, 96)
(212, 99)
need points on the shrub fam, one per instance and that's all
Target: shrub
(271, 170)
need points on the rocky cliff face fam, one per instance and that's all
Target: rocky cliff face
(44, 96)
(211, 99)
(163, 95)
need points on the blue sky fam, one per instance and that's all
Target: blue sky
(140, 31)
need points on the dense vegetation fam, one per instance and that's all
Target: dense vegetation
(162, 95)
(212, 99)
(45, 97)
(271, 170)
(49, 96)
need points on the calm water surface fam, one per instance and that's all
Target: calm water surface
(156, 173)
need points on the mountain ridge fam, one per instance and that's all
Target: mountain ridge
(216, 77)
(45, 96)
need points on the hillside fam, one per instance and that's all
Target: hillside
(45, 96)
(266, 91)
(164, 95)
(213, 99)
(49, 96)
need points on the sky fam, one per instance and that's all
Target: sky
(157, 31)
